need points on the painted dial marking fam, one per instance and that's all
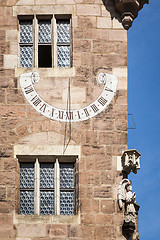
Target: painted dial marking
(109, 81)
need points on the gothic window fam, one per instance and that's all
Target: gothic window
(45, 41)
(47, 188)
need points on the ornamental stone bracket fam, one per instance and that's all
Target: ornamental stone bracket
(128, 162)
(128, 10)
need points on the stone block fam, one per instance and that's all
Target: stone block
(120, 72)
(118, 35)
(88, 232)
(22, 131)
(13, 49)
(102, 192)
(88, 219)
(103, 34)
(7, 179)
(10, 61)
(104, 22)
(57, 230)
(105, 12)
(104, 232)
(109, 60)
(75, 231)
(107, 177)
(82, 46)
(31, 230)
(117, 24)
(87, 22)
(24, 2)
(104, 219)
(103, 163)
(2, 96)
(15, 96)
(11, 35)
(65, 2)
(7, 231)
(92, 150)
(103, 46)
(2, 193)
(107, 206)
(89, 206)
(7, 207)
(41, 2)
(88, 9)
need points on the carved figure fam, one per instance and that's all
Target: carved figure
(130, 212)
(131, 208)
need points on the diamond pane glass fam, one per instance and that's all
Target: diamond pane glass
(26, 32)
(26, 56)
(63, 56)
(44, 31)
(46, 175)
(67, 203)
(47, 203)
(27, 175)
(63, 31)
(66, 175)
(26, 202)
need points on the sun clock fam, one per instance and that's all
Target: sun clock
(28, 80)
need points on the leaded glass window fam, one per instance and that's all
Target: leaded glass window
(50, 185)
(63, 43)
(47, 188)
(26, 188)
(45, 42)
(67, 188)
(26, 43)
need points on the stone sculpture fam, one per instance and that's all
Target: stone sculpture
(131, 208)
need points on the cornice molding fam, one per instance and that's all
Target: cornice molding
(128, 10)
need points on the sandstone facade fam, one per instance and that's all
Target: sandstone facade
(99, 43)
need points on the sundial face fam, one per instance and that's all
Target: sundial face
(49, 110)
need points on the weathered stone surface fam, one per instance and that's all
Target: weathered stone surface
(31, 230)
(102, 192)
(107, 206)
(98, 45)
(57, 230)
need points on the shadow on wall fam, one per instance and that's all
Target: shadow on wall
(110, 7)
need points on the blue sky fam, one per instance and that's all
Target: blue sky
(144, 104)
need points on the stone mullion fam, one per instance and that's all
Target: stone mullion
(35, 43)
(54, 41)
(57, 188)
(37, 188)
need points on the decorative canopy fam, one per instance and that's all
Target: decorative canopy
(128, 10)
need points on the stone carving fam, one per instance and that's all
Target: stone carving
(128, 10)
(130, 161)
(131, 208)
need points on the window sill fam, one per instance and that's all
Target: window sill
(47, 72)
(48, 219)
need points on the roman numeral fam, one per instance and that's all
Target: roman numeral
(36, 100)
(78, 115)
(102, 101)
(69, 115)
(52, 111)
(28, 89)
(86, 112)
(108, 89)
(43, 108)
(61, 114)
(95, 108)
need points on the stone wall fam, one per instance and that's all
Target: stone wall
(99, 44)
